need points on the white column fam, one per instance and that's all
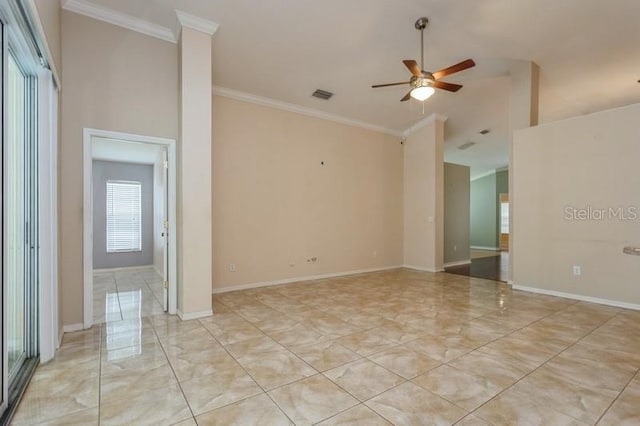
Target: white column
(194, 168)
(424, 195)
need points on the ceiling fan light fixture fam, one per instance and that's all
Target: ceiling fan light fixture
(422, 93)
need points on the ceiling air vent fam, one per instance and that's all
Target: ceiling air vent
(466, 145)
(322, 94)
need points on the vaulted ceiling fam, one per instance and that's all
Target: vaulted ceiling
(285, 49)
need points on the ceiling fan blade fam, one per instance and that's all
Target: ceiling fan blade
(454, 69)
(406, 97)
(413, 67)
(447, 86)
(389, 84)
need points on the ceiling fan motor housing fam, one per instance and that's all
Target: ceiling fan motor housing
(425, 80)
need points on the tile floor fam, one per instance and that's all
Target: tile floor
(126, 294)
(397, 347)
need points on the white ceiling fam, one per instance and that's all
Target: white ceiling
(284, 50)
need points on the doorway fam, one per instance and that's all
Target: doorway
(489, 230)
(129, 222)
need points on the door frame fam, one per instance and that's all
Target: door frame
(48, 220)
(87, 180)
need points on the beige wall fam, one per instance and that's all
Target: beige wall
(457, 208)
(49, 12)
(424, 196)
(114, 79)
(584, 161)
(275, 204)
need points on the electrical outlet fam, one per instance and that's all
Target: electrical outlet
(455, 248)
(577, 270)
(375, 254)
(232, 267)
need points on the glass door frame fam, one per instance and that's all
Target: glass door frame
(17, 379)
(15, 214)
(4, 47)
(14, 44)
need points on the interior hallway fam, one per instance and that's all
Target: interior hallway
(390, 347)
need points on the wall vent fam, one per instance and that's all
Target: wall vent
(322, 94)
(466, 146)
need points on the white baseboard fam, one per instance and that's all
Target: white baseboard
(123, 269)
(194, 315)
(70, 328)
(457, 263)
(485, 248)
(579, 297)
(422, 268)
(299, 279)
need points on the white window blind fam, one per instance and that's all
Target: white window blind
(124, 216)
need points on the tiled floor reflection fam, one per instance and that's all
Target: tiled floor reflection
(397, 347)
(126, 294)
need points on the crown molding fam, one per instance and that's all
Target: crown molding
(120, 19)
(490, 172)
(425, 122)
(285, 106)
(110, 16)
(482, 175)
(196, 23)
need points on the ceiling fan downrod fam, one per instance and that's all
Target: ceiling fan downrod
(421, 24)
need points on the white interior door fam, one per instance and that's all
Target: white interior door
(165, 233)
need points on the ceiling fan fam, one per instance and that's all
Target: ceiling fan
(423, 82)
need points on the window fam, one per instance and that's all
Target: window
(124, 216)
(504, 217)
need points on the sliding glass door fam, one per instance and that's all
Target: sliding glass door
(16, 229)
(19, 210)
(20, 221)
